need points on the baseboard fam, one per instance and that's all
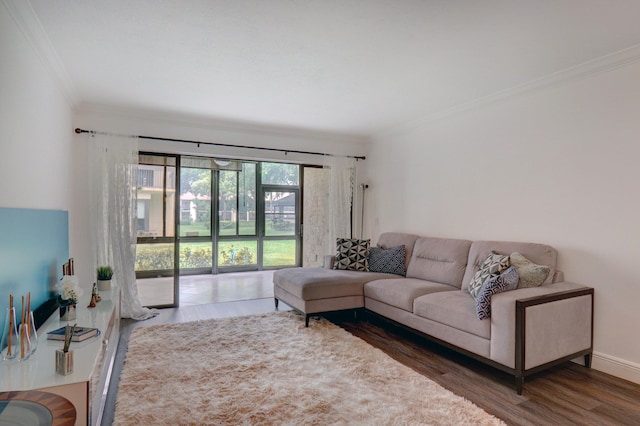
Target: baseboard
(616, 367)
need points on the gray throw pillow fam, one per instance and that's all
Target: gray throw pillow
(531, 275)
(493, 265)
(389, 260)
(352, 254)
(508, 280)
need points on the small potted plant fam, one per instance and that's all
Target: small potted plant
(104, 277)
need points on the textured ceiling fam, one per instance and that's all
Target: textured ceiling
(349, 66)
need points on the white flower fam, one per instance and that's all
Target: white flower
(69, 290)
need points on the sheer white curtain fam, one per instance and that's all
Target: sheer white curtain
(338, 207)
(113, 177)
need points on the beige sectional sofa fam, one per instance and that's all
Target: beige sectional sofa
(529, 329)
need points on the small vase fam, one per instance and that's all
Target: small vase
(64, 362)
(68, 313)
(10, 341)
(25, 341)
(32, 333)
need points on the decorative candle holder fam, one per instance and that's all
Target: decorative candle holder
(64, 362)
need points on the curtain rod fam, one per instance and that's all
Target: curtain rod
(286, 151)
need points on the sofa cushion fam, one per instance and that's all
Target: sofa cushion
(320, 283)
(531, 275)
(352, 254)
(394, 239)
(490, 267)
(538, 253)
(390, 260)
(400, 292)
(441, 260)
(508, 280)
(454, 309)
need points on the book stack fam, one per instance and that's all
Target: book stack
(79, 334)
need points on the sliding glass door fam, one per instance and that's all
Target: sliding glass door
(229, 216)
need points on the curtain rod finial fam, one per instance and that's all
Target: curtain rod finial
(78, 130)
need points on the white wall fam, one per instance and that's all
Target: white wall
(556, 166)
(35, 152)
(35, 127)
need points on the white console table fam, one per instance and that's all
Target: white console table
(87, 386)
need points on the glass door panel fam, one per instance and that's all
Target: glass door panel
(247, 200)
(280, 213)
(155, 202)
(228, 202)
(195, 202)
(279, 252)
(196, 255)
(281, 240)
(237, 253)
(155, 261)
(237, 201)
(156, 245)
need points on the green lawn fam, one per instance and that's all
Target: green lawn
(279, 253)
(200, 228)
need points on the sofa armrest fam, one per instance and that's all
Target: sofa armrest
(329, 261)
(555, 321)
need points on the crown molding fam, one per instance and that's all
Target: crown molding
(31, 28)
(602, 64)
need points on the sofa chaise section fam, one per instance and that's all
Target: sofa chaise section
(317, 290)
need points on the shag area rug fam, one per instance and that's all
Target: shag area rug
(270, 369)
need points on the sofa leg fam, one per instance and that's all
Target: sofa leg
(306, 320)
(277, 301)
(587, 360)
(519, 384)
(361, 315)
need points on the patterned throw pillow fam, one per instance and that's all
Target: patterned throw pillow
(508, 280)
(493, 265)
(390, 260)
(352, 254)
(531, 275)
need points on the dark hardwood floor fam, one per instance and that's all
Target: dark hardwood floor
(565, 395)
(569, 394)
